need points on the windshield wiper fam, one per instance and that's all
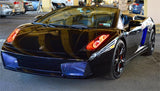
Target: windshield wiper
(68, 26)
(57, 25)
(39, 23)
(79, 26)
(50, 25)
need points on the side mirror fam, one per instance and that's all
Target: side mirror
(134, 23)
(37, 17)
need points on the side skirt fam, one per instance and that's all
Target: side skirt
(136, 54)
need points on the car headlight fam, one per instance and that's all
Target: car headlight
(94, 44)
(13, 35)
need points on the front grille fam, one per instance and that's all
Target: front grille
(39, 63)
(42, 64)
(40, 72)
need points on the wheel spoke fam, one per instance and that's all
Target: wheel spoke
(116, 62)
(119, 59)
(118, 68)
(152, 42)
(122, 50)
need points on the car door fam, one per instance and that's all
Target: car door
(145, 29)
(147, 25)
(133, 36)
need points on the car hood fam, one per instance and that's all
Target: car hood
(37, 39)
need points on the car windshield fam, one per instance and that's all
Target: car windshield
(82, 16)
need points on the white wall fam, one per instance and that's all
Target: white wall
(46, 5)
(153, 10)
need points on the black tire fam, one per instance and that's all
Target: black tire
(3, 16)
(118, 61)
(151, 46)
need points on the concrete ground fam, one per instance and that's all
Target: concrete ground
(141, 74)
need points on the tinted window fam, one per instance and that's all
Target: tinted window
(86, 16)
(126, 19)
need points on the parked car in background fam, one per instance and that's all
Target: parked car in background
(82, 2)
(18, 6)
(5, 9)
(61, 3)
(137, 7)
(99, 2)
(28, 6)
(31, 4)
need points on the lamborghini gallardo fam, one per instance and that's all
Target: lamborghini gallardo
(79, 42)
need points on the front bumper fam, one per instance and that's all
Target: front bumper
(18, 10)
(45, 65)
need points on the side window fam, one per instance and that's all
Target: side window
(126, 19)
(103, 20)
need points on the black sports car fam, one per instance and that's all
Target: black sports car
(79, 42)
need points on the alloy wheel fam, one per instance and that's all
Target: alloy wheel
(152, 41)
(119, 60)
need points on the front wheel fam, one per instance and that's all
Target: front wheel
(118, 61)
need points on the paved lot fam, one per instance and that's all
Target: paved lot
(141, 74)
